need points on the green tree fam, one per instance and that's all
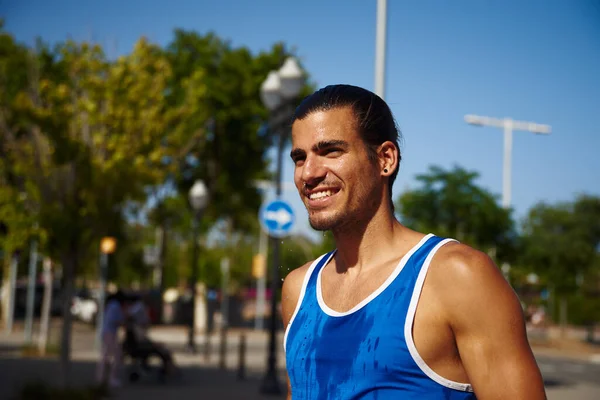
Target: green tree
(18, 198)
(561, 243)
(450, 203)
(215, 90)
(222, 142)
(89, 140)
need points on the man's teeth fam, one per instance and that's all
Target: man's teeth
(319, 195)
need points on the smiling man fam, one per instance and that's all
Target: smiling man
(391, 313)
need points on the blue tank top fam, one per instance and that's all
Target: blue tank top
(367, 352)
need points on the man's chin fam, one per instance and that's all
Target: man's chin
(321, 225)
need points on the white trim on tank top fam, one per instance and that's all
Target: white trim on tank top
(302, 293)
(332, 313)
(410, 317)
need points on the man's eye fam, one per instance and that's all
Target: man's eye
(333, 152)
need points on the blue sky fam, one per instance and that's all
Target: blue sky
(529, 60)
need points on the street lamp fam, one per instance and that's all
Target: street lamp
(508, 125)
(108, 245)
(198, 197)
(278, 93)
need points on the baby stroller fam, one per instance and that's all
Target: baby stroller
(140, 349)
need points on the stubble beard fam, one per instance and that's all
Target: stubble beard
(324, 223)
(351, 213)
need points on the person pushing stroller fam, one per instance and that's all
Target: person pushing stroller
(139, 347)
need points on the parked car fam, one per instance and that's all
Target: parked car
(84, 306)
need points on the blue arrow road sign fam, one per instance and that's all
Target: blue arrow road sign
(277, 218)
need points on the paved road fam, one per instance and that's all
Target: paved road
(560, 371)
(565, 378)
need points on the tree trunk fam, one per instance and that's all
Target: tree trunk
(10, 290)
(69, 269)
(563, 316)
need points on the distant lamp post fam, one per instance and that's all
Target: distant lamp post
(278, 93)
(108, 245)
(508, 125)
(198, 197)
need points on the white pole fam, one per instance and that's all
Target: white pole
(29, 310)
(509, 126)
(12, 294)
(261, 284)
(380, 48)
(507, 168)
(47, 301)
(224, 293)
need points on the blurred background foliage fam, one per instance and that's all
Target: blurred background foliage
(92, 146)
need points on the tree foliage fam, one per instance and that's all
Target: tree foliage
(222, 142)
(561, 242)
(450, 203)
(82, 138)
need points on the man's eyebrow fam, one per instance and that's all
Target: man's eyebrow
(324, 144)
(295, 153)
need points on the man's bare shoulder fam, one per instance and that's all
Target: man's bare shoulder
(463, 264)
(468, 283)
(290, 292)
(295, 277)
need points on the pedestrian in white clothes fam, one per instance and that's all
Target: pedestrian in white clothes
(111, 356)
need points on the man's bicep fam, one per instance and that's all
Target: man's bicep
(488, 324)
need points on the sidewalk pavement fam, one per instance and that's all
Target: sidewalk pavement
(203, 378)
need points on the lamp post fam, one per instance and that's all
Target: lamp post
(380, 48)
(198, 197)
(508, 125)
(278, 92)
(108, 245)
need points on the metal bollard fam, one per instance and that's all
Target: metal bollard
(241, 375)
(207, 347)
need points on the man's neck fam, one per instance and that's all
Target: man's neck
(363, 244)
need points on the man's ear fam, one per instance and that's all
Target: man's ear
(388, 158)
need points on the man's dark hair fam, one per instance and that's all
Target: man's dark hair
(374, 118)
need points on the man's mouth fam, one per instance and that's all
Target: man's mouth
(320, 195)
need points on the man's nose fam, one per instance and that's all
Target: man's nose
(313, 170)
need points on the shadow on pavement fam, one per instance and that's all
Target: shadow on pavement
(8, 348)
(195, 382)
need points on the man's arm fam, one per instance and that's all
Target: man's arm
(486, 318)
(290, 293)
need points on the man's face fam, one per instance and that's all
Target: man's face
(333, 174)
